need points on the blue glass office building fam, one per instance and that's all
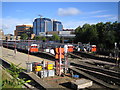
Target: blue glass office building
(42, 25)
(34, 27)
(46, 25)
(57, 26)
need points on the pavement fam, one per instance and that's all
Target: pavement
(20, 57)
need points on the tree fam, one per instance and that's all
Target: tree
(40, 38)
(93, 34)
(79, 33)
(55, 37)
(87, 33)
(44, 39)
(37, 38)
(110, 39)
(104, 35)
(100, 30)
(24, 36)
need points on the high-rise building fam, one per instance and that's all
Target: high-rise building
(42, 25)
(46, 25)
(57, 26)
(20, 29)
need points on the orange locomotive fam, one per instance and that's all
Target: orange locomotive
(33, 48)
(93, 48)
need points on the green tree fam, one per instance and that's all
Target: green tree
(24, 36)
(37, 38)
(40, 38)
(110, 39)
(79, 33)
(55, 37)
(116, 28)
(87, 33)
(93, 34)
(102, 34)
(44, 39)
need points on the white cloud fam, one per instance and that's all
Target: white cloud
(111, 18)
(114, 18)
(75, 24)
(98, 11)
(9, 24)
(68, 11)
(103, 16)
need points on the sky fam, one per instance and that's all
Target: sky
(71, 14)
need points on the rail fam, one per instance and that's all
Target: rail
(93, 78)
(41, 84)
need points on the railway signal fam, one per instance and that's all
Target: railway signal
(59, 53)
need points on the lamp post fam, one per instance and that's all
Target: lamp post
(116, 55)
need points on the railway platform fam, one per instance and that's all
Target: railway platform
(20, 57)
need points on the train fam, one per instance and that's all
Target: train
(48, 47)
(35, 47)
(22, 46)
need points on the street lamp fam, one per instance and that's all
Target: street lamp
(116, 54)
(115, 45)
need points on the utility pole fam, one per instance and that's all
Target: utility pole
(15, 50)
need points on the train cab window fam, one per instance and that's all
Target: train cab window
(34, 46)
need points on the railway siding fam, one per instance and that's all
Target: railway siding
(95, 68)
(87, 55)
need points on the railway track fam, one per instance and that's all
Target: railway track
(31, 85)
(94, 79)
(93, 67)
(87, 55)
(100, 73)
(108, 76)
(91, 61)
